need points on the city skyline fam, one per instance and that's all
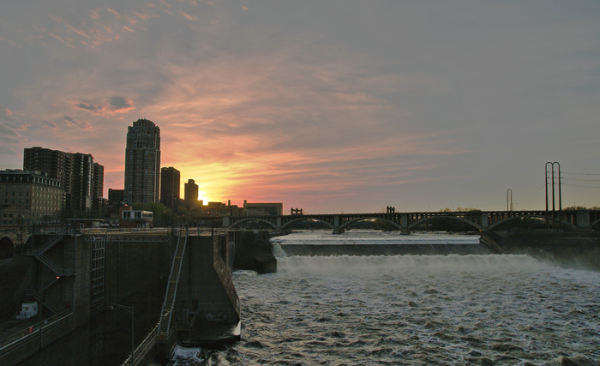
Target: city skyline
(347, 105)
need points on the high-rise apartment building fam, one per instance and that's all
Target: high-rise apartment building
(81, 179)
(80, 197)
(142, 162)
(169, 186)
(191, 192)
(98, 187)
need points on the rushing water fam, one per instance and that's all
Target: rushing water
(413, 310)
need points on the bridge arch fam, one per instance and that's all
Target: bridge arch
(253, 219)
(533, 216)
(291, 222)
(469, 222)
(7, 248)
(346, 224)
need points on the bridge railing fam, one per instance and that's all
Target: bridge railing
(143, 350)
(20, 345)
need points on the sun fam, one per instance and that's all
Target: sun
(202, 196)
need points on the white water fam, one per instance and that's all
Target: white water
(414, 310)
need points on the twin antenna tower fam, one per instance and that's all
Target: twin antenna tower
(554, 196)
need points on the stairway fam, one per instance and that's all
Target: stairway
(49, 303)
(164, 325)
(39, 255)
(50, 243)
(53, 266)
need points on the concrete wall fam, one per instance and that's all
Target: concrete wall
(579, 250)
(200, 287)
(78, 256)
(135, 269)
(254, 252)
(14, 280)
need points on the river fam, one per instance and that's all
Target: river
(413, 310)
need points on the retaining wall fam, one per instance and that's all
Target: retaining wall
(580, 250)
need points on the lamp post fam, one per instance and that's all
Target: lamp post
(128, 309)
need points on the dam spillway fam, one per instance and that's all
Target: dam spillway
(368, 243)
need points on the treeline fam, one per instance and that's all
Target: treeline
(165, 216)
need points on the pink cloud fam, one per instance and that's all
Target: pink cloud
(95, 14)
(188, 16)
(116, 13)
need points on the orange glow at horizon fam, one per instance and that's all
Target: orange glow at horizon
(202, 196)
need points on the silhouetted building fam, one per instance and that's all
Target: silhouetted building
(142, 162)
(116, 195)
(191, 192)
(80, 196)
(169, 186)
(34, 191)
(98, 187)
(55, 163)
(272, 209)
(81, 179)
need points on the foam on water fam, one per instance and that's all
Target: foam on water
(415, 310)
(186, 356)
(408, 263)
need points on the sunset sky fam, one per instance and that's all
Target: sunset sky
(325, 105)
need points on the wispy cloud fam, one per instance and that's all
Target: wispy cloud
(7, 134)
(5, 114)
(189, 16)
(84, 125)
(51, 125)
(105, 107)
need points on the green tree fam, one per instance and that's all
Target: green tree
(163, 215)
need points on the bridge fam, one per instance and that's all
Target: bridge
(479, 220)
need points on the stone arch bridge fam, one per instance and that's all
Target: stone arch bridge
(14, 238)
(479, 220)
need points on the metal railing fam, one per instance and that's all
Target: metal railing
(142, 351)
(51, 264)
(25, 343)
(169, 302)
(22, 333)
(50, 243)
(49, 303)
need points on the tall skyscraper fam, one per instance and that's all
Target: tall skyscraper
(191, 192)
(142, 162)
(169, 186)
(81, 178)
